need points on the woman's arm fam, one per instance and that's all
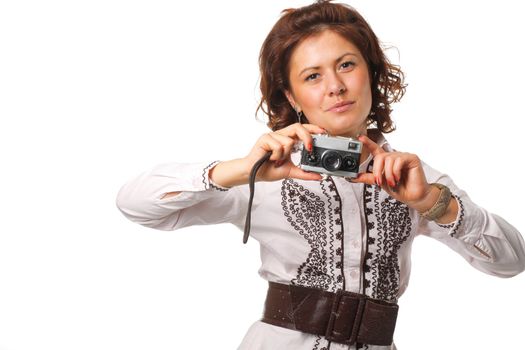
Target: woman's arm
(226, 174)
(487, 241)
(173, 195)
(176, 195)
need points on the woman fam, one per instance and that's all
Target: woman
(336, 251)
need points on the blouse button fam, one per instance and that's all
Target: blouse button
(354, 243)
(353, 274)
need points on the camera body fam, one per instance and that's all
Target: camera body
(332, 155)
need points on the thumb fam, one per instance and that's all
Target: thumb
(366, 178)
(299, 173)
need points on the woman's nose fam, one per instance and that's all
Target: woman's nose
(336, 87)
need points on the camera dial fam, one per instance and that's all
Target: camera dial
(312, 158)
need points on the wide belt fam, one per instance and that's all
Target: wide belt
(342, 317)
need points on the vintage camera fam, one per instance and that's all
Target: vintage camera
(332, 155)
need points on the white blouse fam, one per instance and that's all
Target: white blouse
(321, 233)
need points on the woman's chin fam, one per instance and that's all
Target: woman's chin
(344, 132)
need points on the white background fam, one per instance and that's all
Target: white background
(92, 93)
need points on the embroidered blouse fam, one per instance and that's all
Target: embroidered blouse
(330, 234)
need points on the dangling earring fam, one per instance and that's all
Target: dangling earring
(299, 115)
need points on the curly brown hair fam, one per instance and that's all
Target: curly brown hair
(297, 24)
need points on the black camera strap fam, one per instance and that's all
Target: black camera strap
(253, 173)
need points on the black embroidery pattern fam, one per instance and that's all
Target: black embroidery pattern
(318, 343)
(388, 227)
(317, 219)
(335, 230)
(445, 225)
(205, 173)
(461, 214)
(212, 185)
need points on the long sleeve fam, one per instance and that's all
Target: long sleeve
(485, 240)
(200, 202)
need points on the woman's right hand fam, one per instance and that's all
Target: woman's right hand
(281, 143)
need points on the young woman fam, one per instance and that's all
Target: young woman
(336, 251)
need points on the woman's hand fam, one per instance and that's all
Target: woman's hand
(399, 174)
(281, 143)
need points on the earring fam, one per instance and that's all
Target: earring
(299, 115)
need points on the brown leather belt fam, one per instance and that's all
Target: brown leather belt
(342, 317)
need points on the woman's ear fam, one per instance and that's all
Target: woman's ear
(291, 100)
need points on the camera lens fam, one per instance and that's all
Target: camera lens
(350, 162)
(332, 161)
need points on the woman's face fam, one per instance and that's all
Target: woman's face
(327, 71)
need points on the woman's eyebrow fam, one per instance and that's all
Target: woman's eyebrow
(346, 54)
(339, 59)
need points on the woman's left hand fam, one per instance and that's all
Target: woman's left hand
(399, 174)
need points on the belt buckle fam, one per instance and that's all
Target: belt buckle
(345, 305)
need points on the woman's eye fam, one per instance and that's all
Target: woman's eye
(312, 76)
(347, 64)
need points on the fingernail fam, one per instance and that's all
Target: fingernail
(310, 147)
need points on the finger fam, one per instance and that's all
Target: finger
(286, 142)
(366, 178)
(379, 163)
(389, 173)
(302, 132)
(371, 145)
(304, 135)
(271, 144)
(299, 173)
(290, 130)
(397, 168)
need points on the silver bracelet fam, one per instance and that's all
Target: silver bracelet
(440, 207)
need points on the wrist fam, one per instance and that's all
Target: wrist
(229, 173)
(437, 204)
(427, 201)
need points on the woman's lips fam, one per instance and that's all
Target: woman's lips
(341, 107)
